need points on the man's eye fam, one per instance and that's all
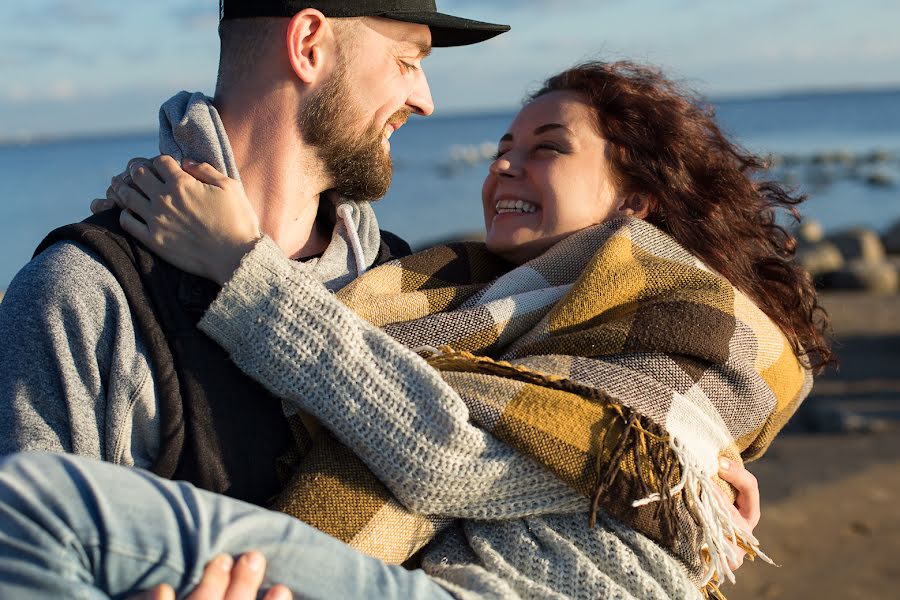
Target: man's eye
(498, 154)
(408, 67)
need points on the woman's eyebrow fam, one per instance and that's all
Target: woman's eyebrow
(508, 137)
(549, 127)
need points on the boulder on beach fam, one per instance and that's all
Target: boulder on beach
(859, 244)
(810, 231)
(891, 239)
(873, 277)
(819, 258)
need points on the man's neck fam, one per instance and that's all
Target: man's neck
(281, 175)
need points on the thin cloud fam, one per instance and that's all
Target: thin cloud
(71, 12)
(24, 54)
(197, 15)
(60, 91)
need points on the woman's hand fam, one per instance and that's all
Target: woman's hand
(195, 218)
(112, 199)
(746, 508)
(224, 579)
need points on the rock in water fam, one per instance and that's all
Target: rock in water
(859, 244)
(874, 277)
(892, 239)
(820, 258)
(810, 231)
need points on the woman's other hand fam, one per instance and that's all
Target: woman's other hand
(193, 217)
(746, 508)
(225, 579)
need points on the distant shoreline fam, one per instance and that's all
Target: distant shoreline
(725, 99)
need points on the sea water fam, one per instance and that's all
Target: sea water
(440, 164)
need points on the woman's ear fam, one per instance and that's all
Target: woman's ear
(309, 38)
(637, 205)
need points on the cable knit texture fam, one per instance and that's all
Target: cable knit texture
(522, 531)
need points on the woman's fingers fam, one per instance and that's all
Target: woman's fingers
(147, 180)
(205, 173)
(135, 227)
(99, 205)
(133, 200)
(748, 501)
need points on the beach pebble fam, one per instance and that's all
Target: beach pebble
(874, 277)
(891, 239)
(819, 258)
(810, 231)
(860, 244)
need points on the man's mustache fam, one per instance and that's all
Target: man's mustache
(399, 118)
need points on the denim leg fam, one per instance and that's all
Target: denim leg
(71, 527)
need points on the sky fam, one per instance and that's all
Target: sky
(73, 67)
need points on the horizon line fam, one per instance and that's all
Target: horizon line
(27, 139)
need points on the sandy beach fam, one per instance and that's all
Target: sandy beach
(831, 497)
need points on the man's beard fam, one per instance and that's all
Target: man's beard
(358, 164)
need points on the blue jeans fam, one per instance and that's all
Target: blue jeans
(76, 528)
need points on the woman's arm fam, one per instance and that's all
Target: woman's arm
(283, 328)
(386, 403)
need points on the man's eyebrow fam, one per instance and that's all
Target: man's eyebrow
(424, 48)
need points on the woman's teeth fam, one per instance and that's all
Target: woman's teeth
(510, 206)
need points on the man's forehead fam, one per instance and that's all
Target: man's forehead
(408, 36)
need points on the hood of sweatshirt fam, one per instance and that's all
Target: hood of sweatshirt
(190, 127)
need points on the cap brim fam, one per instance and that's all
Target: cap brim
(447, 30)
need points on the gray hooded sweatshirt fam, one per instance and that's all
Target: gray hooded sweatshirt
(74, 372)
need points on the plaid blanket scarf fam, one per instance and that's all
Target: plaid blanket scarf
(616, 359)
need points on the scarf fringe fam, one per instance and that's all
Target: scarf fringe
(658, 464)
(712, 514)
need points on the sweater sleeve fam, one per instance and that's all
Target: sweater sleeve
(73, 374)
(385, 402)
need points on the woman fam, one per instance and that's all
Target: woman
(607, 390)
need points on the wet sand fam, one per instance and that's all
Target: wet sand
(831, 497)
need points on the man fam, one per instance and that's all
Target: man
(100, 354)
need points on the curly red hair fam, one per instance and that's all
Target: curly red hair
(666, 144)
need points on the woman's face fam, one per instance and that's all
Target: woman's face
(550, 179)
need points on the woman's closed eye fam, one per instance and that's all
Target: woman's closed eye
(549, 147)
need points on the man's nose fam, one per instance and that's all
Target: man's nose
(419, 99)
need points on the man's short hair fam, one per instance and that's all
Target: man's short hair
(247, 43)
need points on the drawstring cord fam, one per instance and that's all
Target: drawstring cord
(345, 213)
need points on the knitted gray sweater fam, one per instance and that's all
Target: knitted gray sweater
(74, 372)
(522, 532)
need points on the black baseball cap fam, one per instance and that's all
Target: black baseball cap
(446, 30)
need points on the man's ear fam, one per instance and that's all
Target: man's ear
(310, 39)
(637, 205)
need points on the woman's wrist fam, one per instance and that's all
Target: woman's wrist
(230, 260)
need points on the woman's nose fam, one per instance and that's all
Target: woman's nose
(504, 167)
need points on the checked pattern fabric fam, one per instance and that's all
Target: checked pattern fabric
(616, 359)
